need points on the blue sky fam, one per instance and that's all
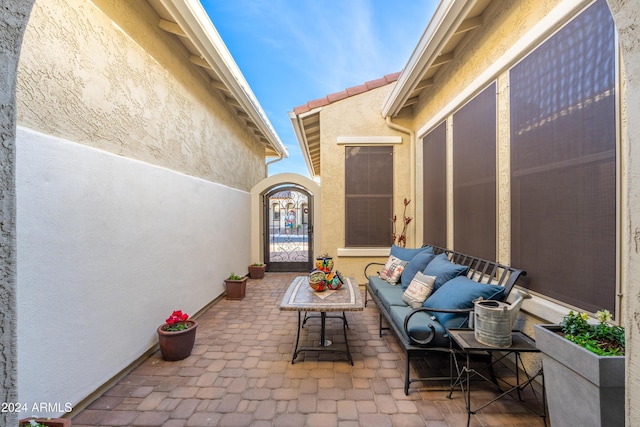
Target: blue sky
(294, 51)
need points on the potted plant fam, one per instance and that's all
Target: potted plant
(45, 422)
(584, 370)
(256, 270)
(177, 336)
(236, 286)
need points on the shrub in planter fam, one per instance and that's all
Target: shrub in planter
(256, 271)
(584, 371)
(236, 286)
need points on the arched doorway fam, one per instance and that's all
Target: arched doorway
(272, 200)
(288, 229)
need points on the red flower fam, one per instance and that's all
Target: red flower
(176, 317)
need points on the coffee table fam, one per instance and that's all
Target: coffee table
(301, 298)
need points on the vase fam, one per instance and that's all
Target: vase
(324, 264)
(317, 280)
(177, 345)
(236, 289)
(257, 271)
(583, 388)
(50, 422)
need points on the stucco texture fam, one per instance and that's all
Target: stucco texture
(357, 115)
(117, 82)
(504, 23)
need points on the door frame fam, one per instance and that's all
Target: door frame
(301, 266)
(258, 193)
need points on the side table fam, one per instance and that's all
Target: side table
(521, 343)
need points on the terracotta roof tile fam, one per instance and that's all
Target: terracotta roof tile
(337, 96)
(354, 90)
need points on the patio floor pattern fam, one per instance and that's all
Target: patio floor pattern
(240, 374)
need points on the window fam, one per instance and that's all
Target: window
(474, 175)
(563, 163)
(369, 196)
(435, 186)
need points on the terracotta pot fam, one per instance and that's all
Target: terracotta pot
(236, 289)
(257, 271)
(51, 422)
(177, 345)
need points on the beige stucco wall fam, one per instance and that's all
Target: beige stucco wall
(510, 31)
(357, 115)
(110, 78)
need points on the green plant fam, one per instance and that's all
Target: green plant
(234, 276)
(257, 264)
(177, 321)
(603, 339)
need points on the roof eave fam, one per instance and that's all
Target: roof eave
(194, 21)
(443, 24)
(298, 128)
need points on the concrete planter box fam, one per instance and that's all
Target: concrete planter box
(583, 389)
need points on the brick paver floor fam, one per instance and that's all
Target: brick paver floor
(240, 374)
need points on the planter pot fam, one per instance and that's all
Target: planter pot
(324, 264)
(236, 288)
(257, 271)
(583, 389)
(177, 345)
(50, 422)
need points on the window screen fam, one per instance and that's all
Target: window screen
(435, 186)
(563, 163)
(474, 176)
(369, 196)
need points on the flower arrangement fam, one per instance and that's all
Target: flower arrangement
(402, 239)
(603, 339)
(177, 321)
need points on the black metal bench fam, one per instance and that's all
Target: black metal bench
(479, 270)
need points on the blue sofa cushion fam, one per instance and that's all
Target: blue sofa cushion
(460, 292)
(417, 264)
(419, 326)
(444, 270)
(391, 295)
(375, 283)
(408, 254)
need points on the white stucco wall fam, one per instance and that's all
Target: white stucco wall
(107, 248)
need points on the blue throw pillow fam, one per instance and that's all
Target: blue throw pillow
(444, 270)
(417, 264)
(408, 254)
(460, 292)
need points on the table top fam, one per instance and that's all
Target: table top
(466, 339)
(300, 297)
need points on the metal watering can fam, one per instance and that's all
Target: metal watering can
(494, 320)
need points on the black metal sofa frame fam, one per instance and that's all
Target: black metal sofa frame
(479, 270)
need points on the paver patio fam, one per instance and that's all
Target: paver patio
(240, 374)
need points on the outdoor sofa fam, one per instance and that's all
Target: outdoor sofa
(460, 279)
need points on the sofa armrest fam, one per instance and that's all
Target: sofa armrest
(366, 267)
(430, 310)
